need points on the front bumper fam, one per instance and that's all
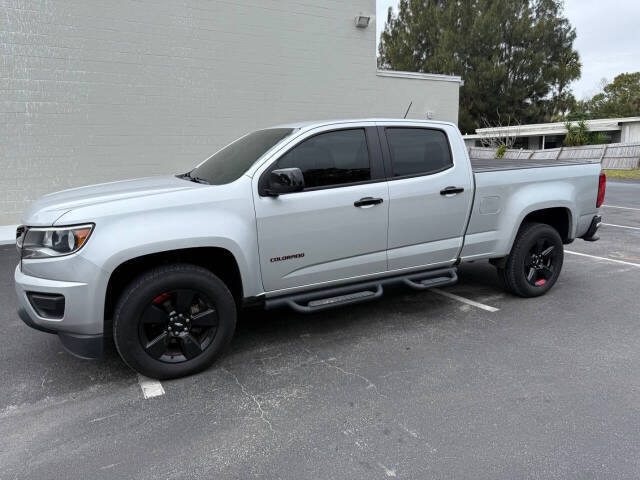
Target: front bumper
(80, 327)
(83, 346)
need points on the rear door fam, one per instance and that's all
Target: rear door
(430, 195)
(337, 227)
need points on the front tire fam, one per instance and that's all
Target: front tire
(535, 261)
(174, 321)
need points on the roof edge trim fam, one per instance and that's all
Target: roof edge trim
(420, 76)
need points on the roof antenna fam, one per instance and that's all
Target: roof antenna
(409, 108)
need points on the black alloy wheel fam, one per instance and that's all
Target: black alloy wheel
(535, 261)
(178, 325)
(540, 262)
(174, 320)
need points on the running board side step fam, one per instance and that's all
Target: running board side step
(324, 299)
(438, 278)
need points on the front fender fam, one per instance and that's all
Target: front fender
(217, 216)
(229, 233)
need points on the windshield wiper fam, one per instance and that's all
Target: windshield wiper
(191, 178)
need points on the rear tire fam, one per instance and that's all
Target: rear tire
(535, 261)
(174, 321)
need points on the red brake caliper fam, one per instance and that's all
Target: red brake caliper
(161, 298)
(540, 282)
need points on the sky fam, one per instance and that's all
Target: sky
(608, 38)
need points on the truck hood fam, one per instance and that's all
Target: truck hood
(46, 210)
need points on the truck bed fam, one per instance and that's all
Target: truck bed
(479, 165)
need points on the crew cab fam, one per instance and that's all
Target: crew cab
(309, 216)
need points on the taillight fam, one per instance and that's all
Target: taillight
(602, 186)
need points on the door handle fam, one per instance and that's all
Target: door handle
(367, 201)
(451, 190)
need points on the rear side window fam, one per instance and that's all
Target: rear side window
(416, 151)
(331, 158)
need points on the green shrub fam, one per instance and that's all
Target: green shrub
(598, 138)
(577, 135)
(502, 149)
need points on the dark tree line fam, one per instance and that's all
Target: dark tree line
(516, 57)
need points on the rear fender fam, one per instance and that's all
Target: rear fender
(558, 194)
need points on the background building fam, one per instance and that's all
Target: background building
(99, 91)
(542, 136)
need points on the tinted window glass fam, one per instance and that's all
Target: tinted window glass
(331, 158)
(231, 162)
(418, 150)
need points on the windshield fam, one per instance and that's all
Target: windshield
(232, 161)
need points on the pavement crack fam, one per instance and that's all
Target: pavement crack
(99, 419)
(370, 384)
(253, 398)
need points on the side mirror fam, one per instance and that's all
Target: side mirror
(285, 180)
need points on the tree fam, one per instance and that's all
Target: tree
(620, 98)
(516, 57)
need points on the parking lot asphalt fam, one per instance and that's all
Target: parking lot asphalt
(416, 385)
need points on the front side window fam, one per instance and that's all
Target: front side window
(332, 158)
(234, 160)
(418, 151)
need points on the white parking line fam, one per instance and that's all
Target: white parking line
(150, 387)
(604, 258)
(623, 208)
(620, 226)
(465, 300)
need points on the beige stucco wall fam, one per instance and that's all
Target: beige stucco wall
(98, 91)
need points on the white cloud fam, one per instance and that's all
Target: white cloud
(608, 40)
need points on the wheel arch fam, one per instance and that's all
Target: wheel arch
(219, 261)
(559, 218)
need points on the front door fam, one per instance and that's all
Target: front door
(325, 232)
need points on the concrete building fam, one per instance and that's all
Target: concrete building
(99, 91)
(551, 135)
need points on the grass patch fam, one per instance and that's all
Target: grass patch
(633, 174)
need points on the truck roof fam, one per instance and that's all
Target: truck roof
(307, 125)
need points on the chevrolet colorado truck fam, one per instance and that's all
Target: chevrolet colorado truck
(309, 216)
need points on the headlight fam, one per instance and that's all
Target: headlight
(20, 231)
(50, 242)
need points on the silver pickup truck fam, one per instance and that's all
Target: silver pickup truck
(309, 216)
